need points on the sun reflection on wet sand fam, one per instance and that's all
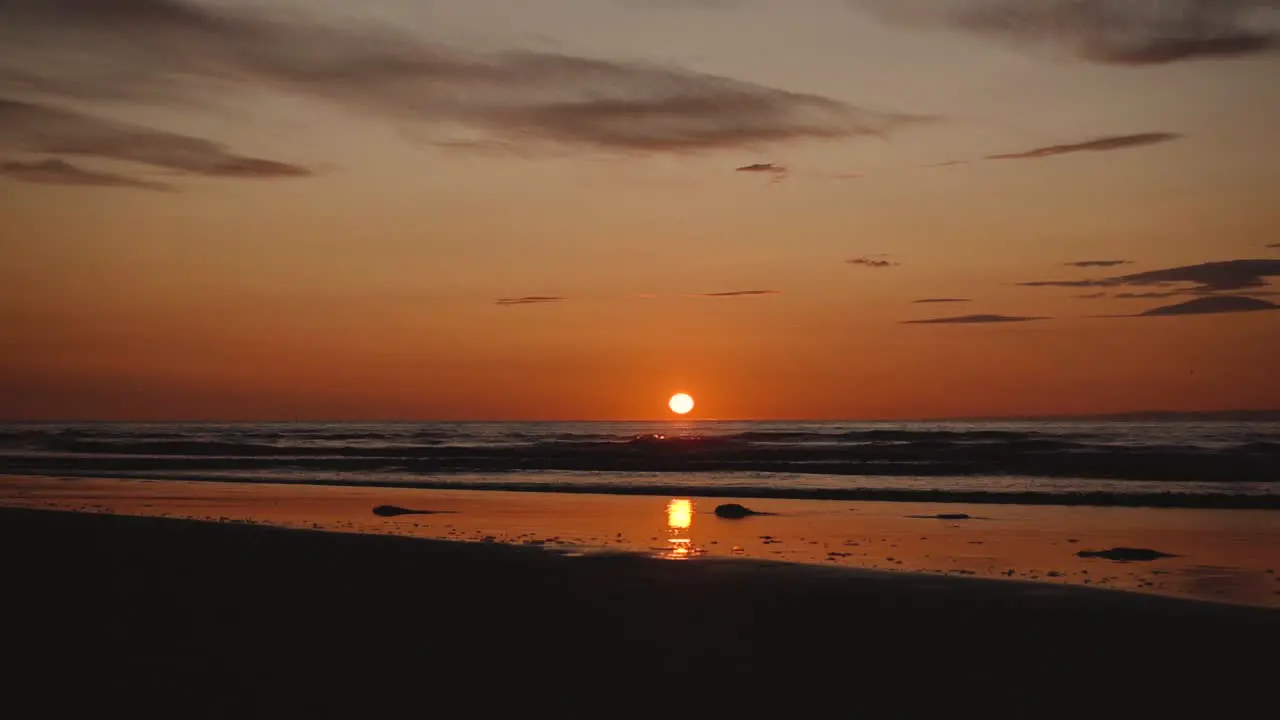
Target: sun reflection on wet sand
(679, 529)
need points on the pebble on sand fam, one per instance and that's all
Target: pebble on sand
(1125, 554)
(734, 511)
(393, 511)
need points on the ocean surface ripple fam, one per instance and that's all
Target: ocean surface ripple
(1214, 463)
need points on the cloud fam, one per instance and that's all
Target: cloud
(1217, 305)
(175, 51)
(782, 172)
(1148, 295)
(61, 172)
(1225, 276)
(1274, 246)
(1092, 296)
(874, 261)
(32, 127)
(762, 168)
(1115, 32)
(739, 293)
(1098, 263)
(777, 172)
(1117, 142)
(530, 300)
(946, 164)
(930, 301)
(975, 320)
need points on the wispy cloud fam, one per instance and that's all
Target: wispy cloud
(975, 320)
(1274, 246)
(530, 300)
(738, 294)
(874, 261)
(946, 164)
(61, 172)
(933, 301)
(1148, 295)
(777, 173)
(1116, 32)
(1225, 276)
(171, 50)
(1218, 305)
(762, 168)
(1098, 263)
(1118, 142)
(38, 128)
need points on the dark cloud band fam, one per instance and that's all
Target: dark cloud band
(975, 320)
(37, 128)
(61, 172)
(1225, 276)
(1098, 263)
(739, 293)
(1114, 32)
(1218, 305)
(1117, 142)
(873, 261)
(529, 300)
(173, 50)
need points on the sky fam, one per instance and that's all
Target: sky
(571, 209)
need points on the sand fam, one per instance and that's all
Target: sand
(113, 616)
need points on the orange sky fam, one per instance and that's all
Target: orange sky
(273, 210)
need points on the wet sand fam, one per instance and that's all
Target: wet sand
(152, 617)
(1224, 556)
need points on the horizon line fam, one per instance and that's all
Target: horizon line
(681, 419)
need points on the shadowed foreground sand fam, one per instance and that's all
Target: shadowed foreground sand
(151, 617)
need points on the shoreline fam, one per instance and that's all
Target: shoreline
(1209, 555)
(1100, 499)
(163, 617)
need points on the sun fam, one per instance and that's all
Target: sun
(680, 403)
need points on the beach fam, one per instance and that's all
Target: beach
(1217, 555)
(245, 617)
(862, 358)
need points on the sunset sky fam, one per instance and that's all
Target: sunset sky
(570, 209)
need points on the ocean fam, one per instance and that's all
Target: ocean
(1189, 464)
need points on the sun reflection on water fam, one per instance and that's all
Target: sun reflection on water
(679, 529)
(679, 514)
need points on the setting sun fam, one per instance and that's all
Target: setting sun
(680, 403)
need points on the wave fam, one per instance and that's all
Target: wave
(1256, 462)
(1174, 452)
(424, 444)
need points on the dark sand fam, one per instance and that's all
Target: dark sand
(147, 617)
